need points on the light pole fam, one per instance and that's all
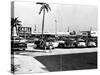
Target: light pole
(68, 29)
(90, 28)
(35, 29)
(55, 27)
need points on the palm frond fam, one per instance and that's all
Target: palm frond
(15, 22)
(16, 19)
(41, 3)
(41, 9)
(47, 5)
(19, 24)
(46, 8)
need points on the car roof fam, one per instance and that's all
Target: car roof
(17, 38)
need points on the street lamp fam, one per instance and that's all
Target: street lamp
(55, 27)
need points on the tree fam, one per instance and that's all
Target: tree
(73, 33)
(44, 7)
(15, 23)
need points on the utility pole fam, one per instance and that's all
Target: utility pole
(24, 29)
(68, 29)
(35, 29)
(55, 27)
(69, 33)
(91, 28)
(90, 31)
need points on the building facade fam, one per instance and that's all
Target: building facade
(24, 31)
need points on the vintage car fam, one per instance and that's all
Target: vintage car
(44, 44)
(81, 43)
(91, 44)
(31, 45)
(53, 41)
(18, 39)
(68, 43)
(18, 43)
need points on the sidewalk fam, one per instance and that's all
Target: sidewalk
(37, 52)
(27, 64)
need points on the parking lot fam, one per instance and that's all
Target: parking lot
(57, 60)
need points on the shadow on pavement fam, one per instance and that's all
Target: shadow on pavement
(66, 62)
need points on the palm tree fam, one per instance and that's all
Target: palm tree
(15, 23)
(44, 7)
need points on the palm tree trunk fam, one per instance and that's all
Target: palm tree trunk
(43, 22)
(14, 31)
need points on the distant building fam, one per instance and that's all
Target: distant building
(24, 31)
(84, 33)
(94, 33)
(63, 33)
(87, 33)
(53, 34)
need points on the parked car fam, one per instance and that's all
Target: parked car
(61, 43)
(91, 44)
(44, 44)
(81, 43)
(18, 43)
(53, 41)
(18, 39)
(68, 43)
(47, 45)
(31, 45)
(55, 44)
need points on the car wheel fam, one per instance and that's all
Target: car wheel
(24, 49)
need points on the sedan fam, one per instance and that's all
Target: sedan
(81, 44)
(91, 44)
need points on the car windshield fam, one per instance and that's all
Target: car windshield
(81, 40)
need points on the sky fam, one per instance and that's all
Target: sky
(76, 17)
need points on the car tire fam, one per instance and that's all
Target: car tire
(24, 49)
